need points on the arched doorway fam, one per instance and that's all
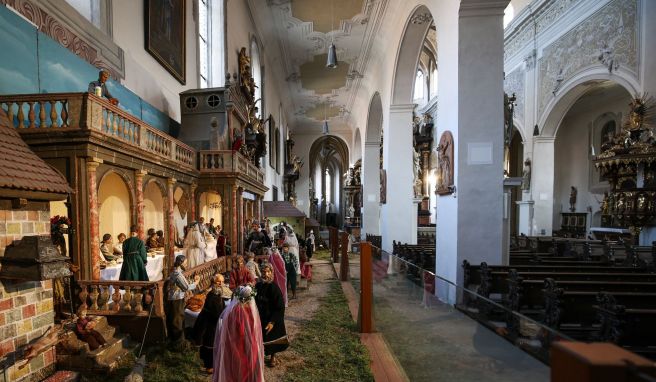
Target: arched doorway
(114, 213)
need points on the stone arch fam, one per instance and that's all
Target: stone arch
(154, 205)
(371, 187)
(407, 56)
(329, 150)
(571, 91)
(181, 211)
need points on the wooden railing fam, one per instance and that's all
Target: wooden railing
(207, 270)
(227, 161)
(39, 113)
(133, 298)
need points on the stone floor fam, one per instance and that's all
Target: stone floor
(439, 343)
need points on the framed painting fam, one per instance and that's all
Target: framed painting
(165, 35)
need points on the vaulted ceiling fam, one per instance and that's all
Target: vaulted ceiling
(296, 35)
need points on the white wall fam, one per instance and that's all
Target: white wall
(143, 74)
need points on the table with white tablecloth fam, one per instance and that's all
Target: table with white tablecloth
(154, 268)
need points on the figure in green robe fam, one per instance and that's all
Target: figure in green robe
(134, 258)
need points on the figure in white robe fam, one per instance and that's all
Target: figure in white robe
(194, 247)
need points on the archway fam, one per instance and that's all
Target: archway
(371, 167)
(551, 196)
(211, 207)
(329, 153)
(153, 207)
(181, 210)
(115, 214)
(593, 119)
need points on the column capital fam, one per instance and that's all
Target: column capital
(93, 162)
(372, 144)
(481, 8)
(170, 181)
(193, 186)
(540, 139)
(140, 173)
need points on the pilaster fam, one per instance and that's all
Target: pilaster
(94, 224)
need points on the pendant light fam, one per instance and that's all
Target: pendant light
(325, 121)
(332, 52)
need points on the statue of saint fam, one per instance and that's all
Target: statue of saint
(526, 175)
(604, 204)
(572, 199)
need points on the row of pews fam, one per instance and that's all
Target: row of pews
(422, 254)
(588, 290)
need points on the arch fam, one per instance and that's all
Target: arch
(334, 144)
(356, 153)
(153, 211)
(407, 57)
(211, 206)
(374, 120)
(572, 90)
(181, 211)
(115, 206)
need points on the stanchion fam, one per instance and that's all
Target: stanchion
(365, 310)
(344, 259)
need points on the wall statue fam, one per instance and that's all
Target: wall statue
(383, 186)
(572, 199)
(526, 175)
(445, 164)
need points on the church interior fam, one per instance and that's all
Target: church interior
(480, 174)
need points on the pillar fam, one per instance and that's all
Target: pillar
(94, 225)
(239, 244)
(371, 189)
(542, 185)
(235, 221)
(139, 192)
(471, 219)
(397, 215)
(170, 182)
(525, 217)
(192, 200)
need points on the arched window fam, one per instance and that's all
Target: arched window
(210, 43)
(433, 82)
(329, 187)
(256, 70)
(419, 85)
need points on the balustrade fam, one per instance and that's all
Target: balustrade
(207, 270)
(122, 297)
(42, 111)
(227, 161)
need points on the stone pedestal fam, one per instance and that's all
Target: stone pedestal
(526, 217)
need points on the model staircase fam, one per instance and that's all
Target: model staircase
(73, 354)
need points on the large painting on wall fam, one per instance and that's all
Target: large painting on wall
(165, 34)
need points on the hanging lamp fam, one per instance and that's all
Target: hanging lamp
(325, 121)
(332, 52)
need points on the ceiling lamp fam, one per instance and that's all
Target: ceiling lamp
(325, 120)
(332, 52)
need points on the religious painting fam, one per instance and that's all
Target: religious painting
(165, 34)
(445, 164)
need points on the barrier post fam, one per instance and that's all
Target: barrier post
(365, 311)
(344, 259)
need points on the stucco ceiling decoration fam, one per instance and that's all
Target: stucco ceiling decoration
(297, 33)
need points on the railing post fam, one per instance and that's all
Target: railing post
(365, 311)
(344, 259)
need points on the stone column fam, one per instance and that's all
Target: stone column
(94, 224)
(192, 201)
(525, 217)
(258, 208)
(471, 219)
(139, 192)
(371, 189)
(398, 214)
(170, 182)
(542, 185)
